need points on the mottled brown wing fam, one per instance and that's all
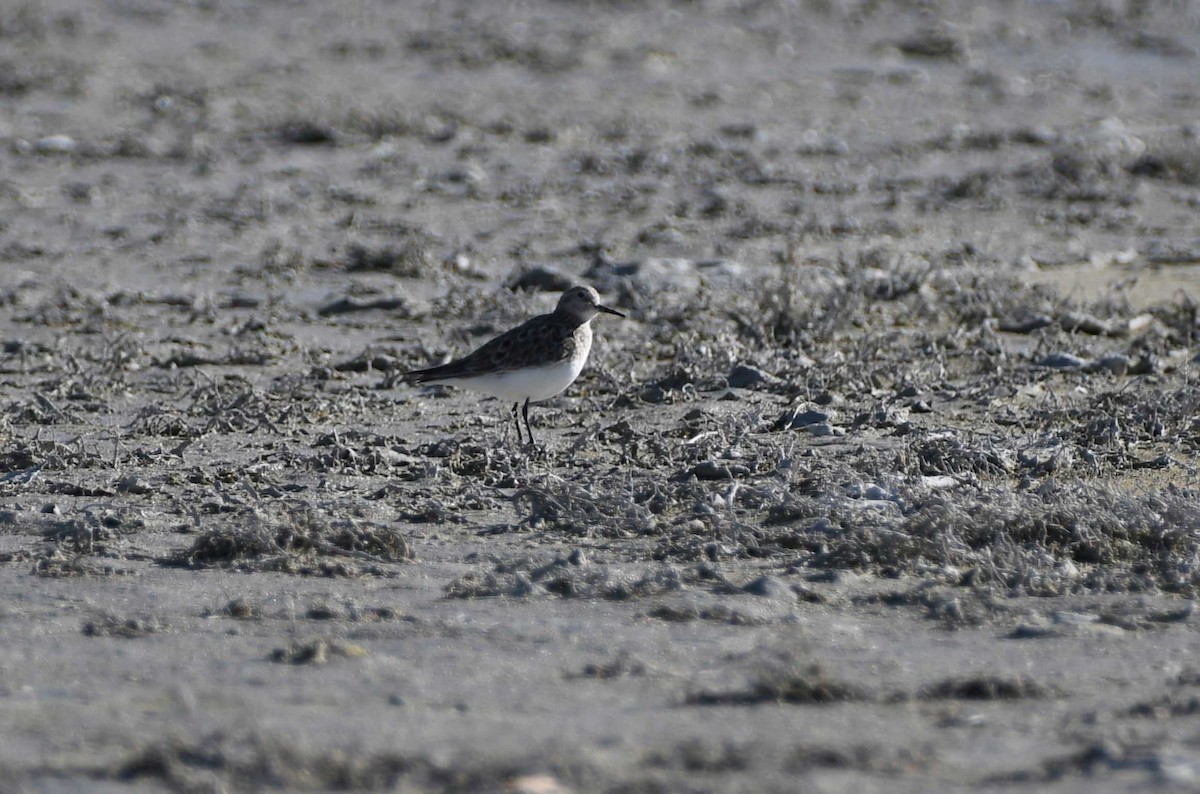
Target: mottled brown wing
(535, 341)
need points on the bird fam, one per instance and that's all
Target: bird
(533, 362)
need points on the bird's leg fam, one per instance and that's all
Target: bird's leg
(517, 419)
(528, 430)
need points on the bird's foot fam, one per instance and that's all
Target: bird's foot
(533, 449)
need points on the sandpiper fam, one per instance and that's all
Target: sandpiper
(533, 362)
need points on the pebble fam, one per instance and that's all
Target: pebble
(55, 144)
(813, 143)
(1116, 363)
(907, 75)
(868, 491)
(1180, 615)
(1026, 323)
(769, 587)
(1145, 365)
(1035, 136)
(1169, 252)
(536, 784)
(744, 377)
(523, 586)
(714, 203)
(539, 278)
(1062, 361)
(1033, 631)
(712, 470)
(1180, 768)
(1087, 324)
(1101, 629)
(1141, 323)
(935, 43)
(133, 484)
(1075, 618)
(323, 612)
(795, 419)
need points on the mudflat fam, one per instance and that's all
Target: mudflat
(888, 481)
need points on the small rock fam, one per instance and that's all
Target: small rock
(939, 481)
(740, 129)
(1087, 324)
(1167, 252)
(1034, 631)
(935, 43)
(1145, 365)
(876, 492)
(1141, 323)
(322, 612)
(794, 418)
(55, 144)
(714, 470)
(1075, 618)
(907, 75)
(304, 132)
(315, 652)
(1026, 323)
(768, 587)
(133, 484)
(539, 278)
(822, 429)
(239, 609)
(744, 377)
(714, 203)
(1062, 361)
(1101, 629)
(523, 586)
(1180, 615)
(349, 304)
(470, 175)
(813, 143)
(1115, 363)
(1034, 136)
(535, 784)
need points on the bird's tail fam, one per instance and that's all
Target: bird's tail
(418, 376)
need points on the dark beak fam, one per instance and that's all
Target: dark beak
(607, 310)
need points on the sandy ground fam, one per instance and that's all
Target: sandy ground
(887, 483)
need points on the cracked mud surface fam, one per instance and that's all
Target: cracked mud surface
(887, 483)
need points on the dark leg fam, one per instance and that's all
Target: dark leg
(527, 428)
(517, 418)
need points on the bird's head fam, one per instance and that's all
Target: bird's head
(583, 303)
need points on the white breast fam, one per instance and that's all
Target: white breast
(533, 383)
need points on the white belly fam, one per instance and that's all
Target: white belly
(534, 384)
